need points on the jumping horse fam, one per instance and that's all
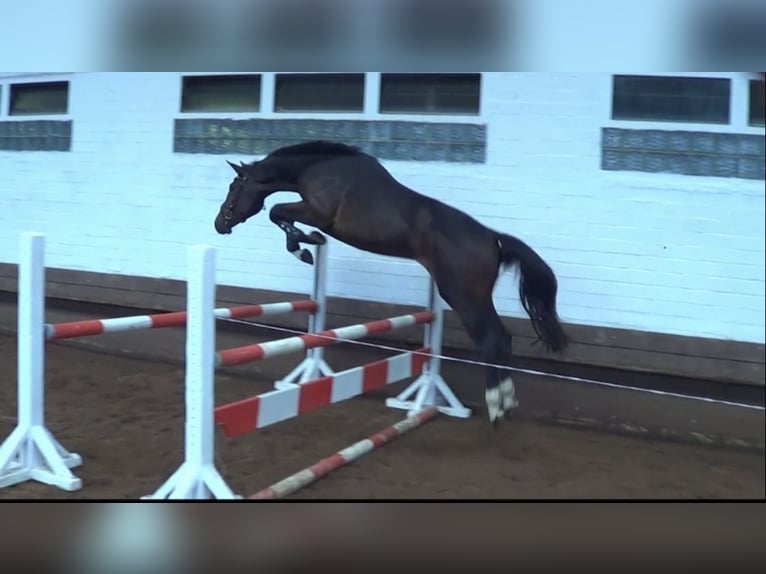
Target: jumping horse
(347, 194)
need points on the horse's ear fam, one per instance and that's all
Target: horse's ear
(240, 169)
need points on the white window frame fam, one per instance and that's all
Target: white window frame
(739, 106)
(369, 112)
(213, 115)
(8, 80)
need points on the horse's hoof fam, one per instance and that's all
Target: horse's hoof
(318, 238)
(304, 255)
(494, 405)
(307, 257)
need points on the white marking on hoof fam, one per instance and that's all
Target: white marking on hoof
(508, 392)
(494, 404)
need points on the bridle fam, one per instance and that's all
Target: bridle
(228, 209)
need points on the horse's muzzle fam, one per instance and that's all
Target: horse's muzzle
(222, 226)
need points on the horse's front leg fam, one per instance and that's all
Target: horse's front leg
(284, 216)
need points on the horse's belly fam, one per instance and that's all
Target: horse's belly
(374, 242)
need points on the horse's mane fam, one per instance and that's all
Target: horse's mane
(318, 147)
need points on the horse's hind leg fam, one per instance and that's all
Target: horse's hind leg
(494, 342)
(501, 355)
(284, 216)
(486, 330)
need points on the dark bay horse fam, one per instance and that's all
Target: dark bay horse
(350, 196)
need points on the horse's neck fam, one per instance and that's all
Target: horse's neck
(281, 185)
(295, 166)
(290, 171)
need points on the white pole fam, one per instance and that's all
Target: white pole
(319, 291)
(313, 365)
(433, 340)
(197, 477)
(317, 320)
(31, 452)
(434, 331)
(430, 389)
(320, 285)
(31, 331)
(200, 356)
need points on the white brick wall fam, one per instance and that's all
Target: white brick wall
(658, 252)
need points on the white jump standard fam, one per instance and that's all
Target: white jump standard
(197, 477)
(31, 452)
(430, 389)
(314, 365)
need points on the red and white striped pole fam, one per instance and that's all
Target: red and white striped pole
(250, 353)
(311, 474)
(260, 411)
(56, 331)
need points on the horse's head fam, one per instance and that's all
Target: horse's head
(246, 197)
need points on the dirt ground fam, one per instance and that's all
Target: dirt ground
(124, 416)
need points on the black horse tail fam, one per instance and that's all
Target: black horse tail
(537, 290)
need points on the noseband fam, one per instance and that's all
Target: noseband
(228, 209)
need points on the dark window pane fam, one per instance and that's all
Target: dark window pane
(39, 99)
(237, 93)
(757, 102)
(430, 93)
(671, 99)
(319, 93)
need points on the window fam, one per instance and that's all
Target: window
(757, 102)
(319, 93)
(457, 94)
(671, 99)
(229, 93)
(39, 99)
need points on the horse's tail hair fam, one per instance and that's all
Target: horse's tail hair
(537, 290)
